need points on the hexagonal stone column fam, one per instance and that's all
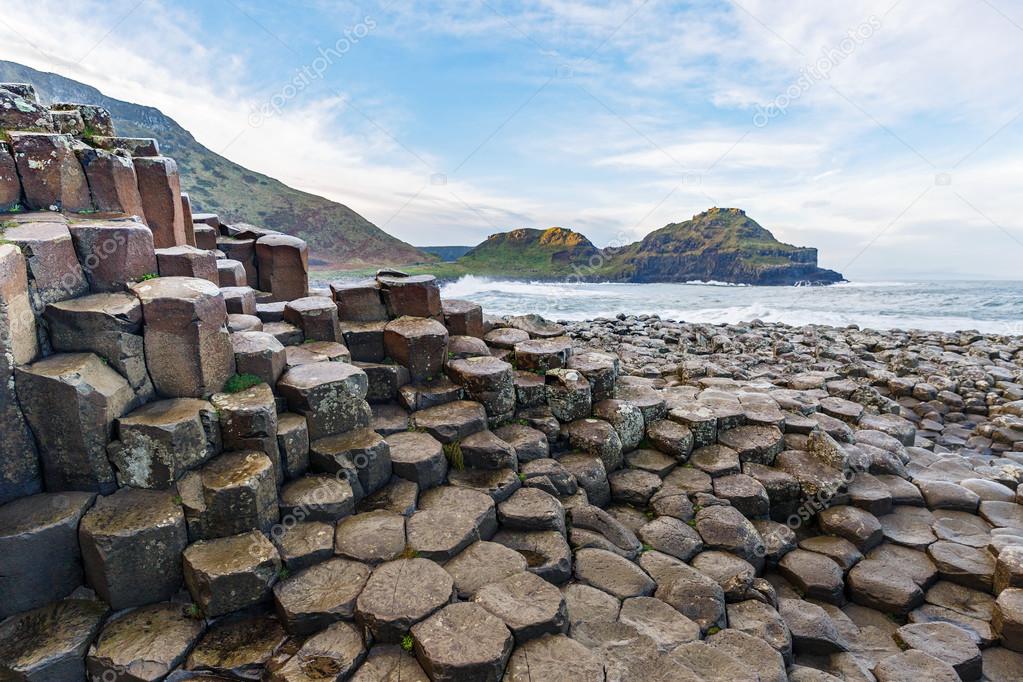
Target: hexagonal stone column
(237, 647)
(96, 118)
(234, 493)
(340, 649)
(188, 347)
(112, 181)
(568, 394)
(20, 108)
(451, 421)
(49, 643)
(19, 462)
(316, 316)
(365, 340)
(417, 296)
(359, 301)
(318, 497)
(40, 560)
(283, 263)
(160, 189)
(259, 354)
(417, 343)
(162, 440)
(243, 251)
(418, 457)
(463, 318)
(54, 273)
(71, 401)
(131, 547)
(463, 641)
(143, 644)
(248, 421)
(10, 185)
(331, 396)
(401, 593)
(320, 595)
(362, 455)
(231, 273)
(50, 172)
(449, 520)
(134, 146)
(187, 261)
(228, 574)
(543, 355)
(600, 369)
(488, 381)
(109, 325)
(239, 300)
(293, 444)
(113, 253)
(526, 603)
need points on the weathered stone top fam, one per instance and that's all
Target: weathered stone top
(131, 510)
(36, 513)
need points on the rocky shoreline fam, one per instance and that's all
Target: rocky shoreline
(212, 471)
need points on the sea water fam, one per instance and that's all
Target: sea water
(994, 307)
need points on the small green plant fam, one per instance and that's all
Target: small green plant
(697, 507)
(522, 422)
(241, 382)
(406, 643)
(178, 500)
(408, 553)
(692, 522)
(522, 477)
(193, 611)
(283, 573)
(148, 276)
(453, 451)
(649, 514)
(646, 548)
(713, 630)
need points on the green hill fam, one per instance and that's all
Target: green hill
(721, 244)
(530, 253)
(336, 234)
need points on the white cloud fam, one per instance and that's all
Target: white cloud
(674, 85)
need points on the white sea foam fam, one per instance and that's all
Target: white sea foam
(994, 307)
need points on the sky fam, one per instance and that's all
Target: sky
(887, 134)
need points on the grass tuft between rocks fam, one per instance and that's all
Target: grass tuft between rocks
(406, 643)
(241, 382)
(453, 451)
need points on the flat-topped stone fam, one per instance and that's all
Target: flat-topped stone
(131, 546)
(400, 594)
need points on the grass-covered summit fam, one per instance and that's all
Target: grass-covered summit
(531, 253)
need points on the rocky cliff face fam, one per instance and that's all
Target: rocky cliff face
(338, 234)
(722, 245)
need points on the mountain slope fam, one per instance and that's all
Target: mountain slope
(531, 253)
(335, 233)
(721, 244)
